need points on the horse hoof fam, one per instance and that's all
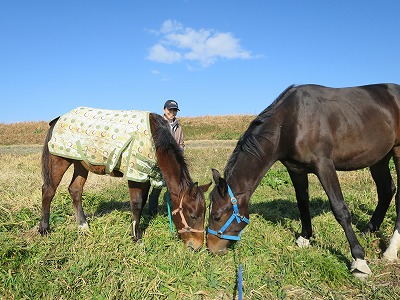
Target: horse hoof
(390, 254)
(359, 268)
(360, 275)
(43, 231)
(139, 242)
(303, 242)
(84, 229)
(394, 246)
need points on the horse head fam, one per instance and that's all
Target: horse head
(225, 223)
(189, 216)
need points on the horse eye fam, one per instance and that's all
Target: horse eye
(217, 218)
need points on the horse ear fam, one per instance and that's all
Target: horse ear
(193, 190)
(216, 175)
(220, 182)
(205, 187)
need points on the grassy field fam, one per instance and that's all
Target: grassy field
(105, 264)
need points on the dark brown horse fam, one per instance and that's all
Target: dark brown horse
(186, 196)
(314, 129)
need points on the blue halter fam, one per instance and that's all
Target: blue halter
(235, 215)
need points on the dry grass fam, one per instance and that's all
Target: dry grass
(228, 127)
(24, 133)
(20, 181)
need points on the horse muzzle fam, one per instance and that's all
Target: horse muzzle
(217, 245)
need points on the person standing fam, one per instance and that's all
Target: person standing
(170, 111)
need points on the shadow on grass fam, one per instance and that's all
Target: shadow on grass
(106, 206)
(281, 210)
(278, 210)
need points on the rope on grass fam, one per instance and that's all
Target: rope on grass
(237, 252)
(240, 283)
(171, 227)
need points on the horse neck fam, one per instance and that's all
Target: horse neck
(245, 180)
(174, 173)
(245, 172)
(169, 159)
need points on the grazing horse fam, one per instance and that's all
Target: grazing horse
(187, 197)
(314, 129)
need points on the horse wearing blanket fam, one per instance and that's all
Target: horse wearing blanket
(133, 144)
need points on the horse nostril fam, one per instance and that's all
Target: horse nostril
(222, 252)
(192, 246)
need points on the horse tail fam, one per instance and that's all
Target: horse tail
(46, 154)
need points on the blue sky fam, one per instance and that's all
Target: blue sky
(214, 57)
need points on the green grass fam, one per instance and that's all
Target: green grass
(106, 264)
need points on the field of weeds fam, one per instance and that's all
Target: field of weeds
(106, 264)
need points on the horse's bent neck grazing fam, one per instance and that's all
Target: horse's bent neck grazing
(316, 129)
(256, 151)
(169, 159)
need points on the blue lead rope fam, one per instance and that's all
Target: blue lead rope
(171, 228)
(239, 218)
(240, 283)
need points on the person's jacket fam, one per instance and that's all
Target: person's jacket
(176, 130)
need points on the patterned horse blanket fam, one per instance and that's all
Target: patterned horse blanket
(117, 139)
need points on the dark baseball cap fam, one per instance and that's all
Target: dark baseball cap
(171, 104)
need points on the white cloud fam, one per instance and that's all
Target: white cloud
(159, 53)
(205, 47)
(170, 25)
(160, 75)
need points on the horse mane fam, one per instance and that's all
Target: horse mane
(249, 141)
(164, 141)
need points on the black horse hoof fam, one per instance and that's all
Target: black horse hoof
(44, 231)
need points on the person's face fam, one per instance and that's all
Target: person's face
(170, 113)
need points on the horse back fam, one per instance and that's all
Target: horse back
(355, 126)
(352, 106)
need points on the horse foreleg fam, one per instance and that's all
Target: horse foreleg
(325, 170)
(300, 184)
(394, 243)
(75, 189)
(386, 189)
(138, 192)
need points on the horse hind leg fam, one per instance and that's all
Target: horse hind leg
(75, 189)
(138, 192)
(394, 243)
(53, 169)
(385, 188)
